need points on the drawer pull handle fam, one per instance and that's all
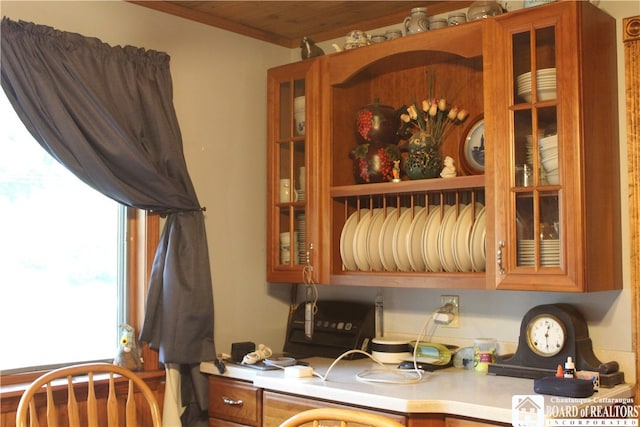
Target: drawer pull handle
(232, 402)
(499, 257)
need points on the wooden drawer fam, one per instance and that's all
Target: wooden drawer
(234, 400)
(278, 407)
(217, 422)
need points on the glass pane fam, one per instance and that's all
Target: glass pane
(284, 188)
(545, 48)
(300, 233)
(549, 229)
(285, 110)
(60, 246)
(299, 108)
(524, 149)
(545, 76)
(547, 149)
(299, 171)
(522, 67)
(525, 230)
(286, 240)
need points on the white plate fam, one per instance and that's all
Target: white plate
(400, 237)
(430, 239)
(385, 244)
(360, 240)
(477, 248)
(445, 239)
(373, 239)
(460, 237)
(346, 241)
(414, 243)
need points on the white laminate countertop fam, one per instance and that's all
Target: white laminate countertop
(449, 391)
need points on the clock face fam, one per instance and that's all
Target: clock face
(546, 335)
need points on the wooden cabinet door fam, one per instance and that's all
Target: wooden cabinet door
(551, 140)
(278, 407)
(294, 211)
(464, 422)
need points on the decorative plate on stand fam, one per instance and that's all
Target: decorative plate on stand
(472, 147)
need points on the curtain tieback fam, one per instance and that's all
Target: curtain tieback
(165, 212)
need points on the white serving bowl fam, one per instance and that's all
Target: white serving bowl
(550, 166)
(553, 178)
(547, 141)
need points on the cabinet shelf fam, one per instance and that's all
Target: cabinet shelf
(409, 187)
(411, 280)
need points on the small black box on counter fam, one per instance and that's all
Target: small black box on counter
(241, 349)
(568, 387)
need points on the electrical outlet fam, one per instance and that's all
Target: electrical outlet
(454, 301)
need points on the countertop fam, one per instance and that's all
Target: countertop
(448, 391)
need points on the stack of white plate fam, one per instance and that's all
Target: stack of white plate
(529, 148)
(549, 253)
(419, 239)
(548, 147)
(546, 84)
(301, 228)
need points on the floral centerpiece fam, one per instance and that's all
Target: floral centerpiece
(425, 127)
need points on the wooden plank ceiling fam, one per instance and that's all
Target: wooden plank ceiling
(285, 22)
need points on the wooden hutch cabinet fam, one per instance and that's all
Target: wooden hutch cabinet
(545, 207)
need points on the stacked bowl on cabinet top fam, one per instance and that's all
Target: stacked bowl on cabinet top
(432, 238)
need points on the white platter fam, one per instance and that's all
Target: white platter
(460, 237)
(414, 242)
(430, 239)
(373, 239)
(477, 248)
(385, 243)
(445, 241)
(360, 242)
(346, 241)
(400, 238)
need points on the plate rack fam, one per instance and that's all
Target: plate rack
(413, 228)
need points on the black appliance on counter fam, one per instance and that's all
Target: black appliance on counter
(338, 326)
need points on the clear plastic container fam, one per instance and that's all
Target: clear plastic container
(484, 353)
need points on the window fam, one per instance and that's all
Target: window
(62, 258)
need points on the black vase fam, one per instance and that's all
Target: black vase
(425, 159)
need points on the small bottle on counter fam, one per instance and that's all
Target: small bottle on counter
(569, 368)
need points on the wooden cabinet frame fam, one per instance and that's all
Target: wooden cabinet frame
(631, 39)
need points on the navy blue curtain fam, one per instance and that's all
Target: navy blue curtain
(106, 113)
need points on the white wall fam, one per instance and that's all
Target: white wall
(220, 98)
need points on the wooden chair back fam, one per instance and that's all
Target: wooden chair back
(28, 414)
(344, 417)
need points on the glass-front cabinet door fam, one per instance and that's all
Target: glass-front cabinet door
(535, 184)
(535, 108)
(289, 199)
